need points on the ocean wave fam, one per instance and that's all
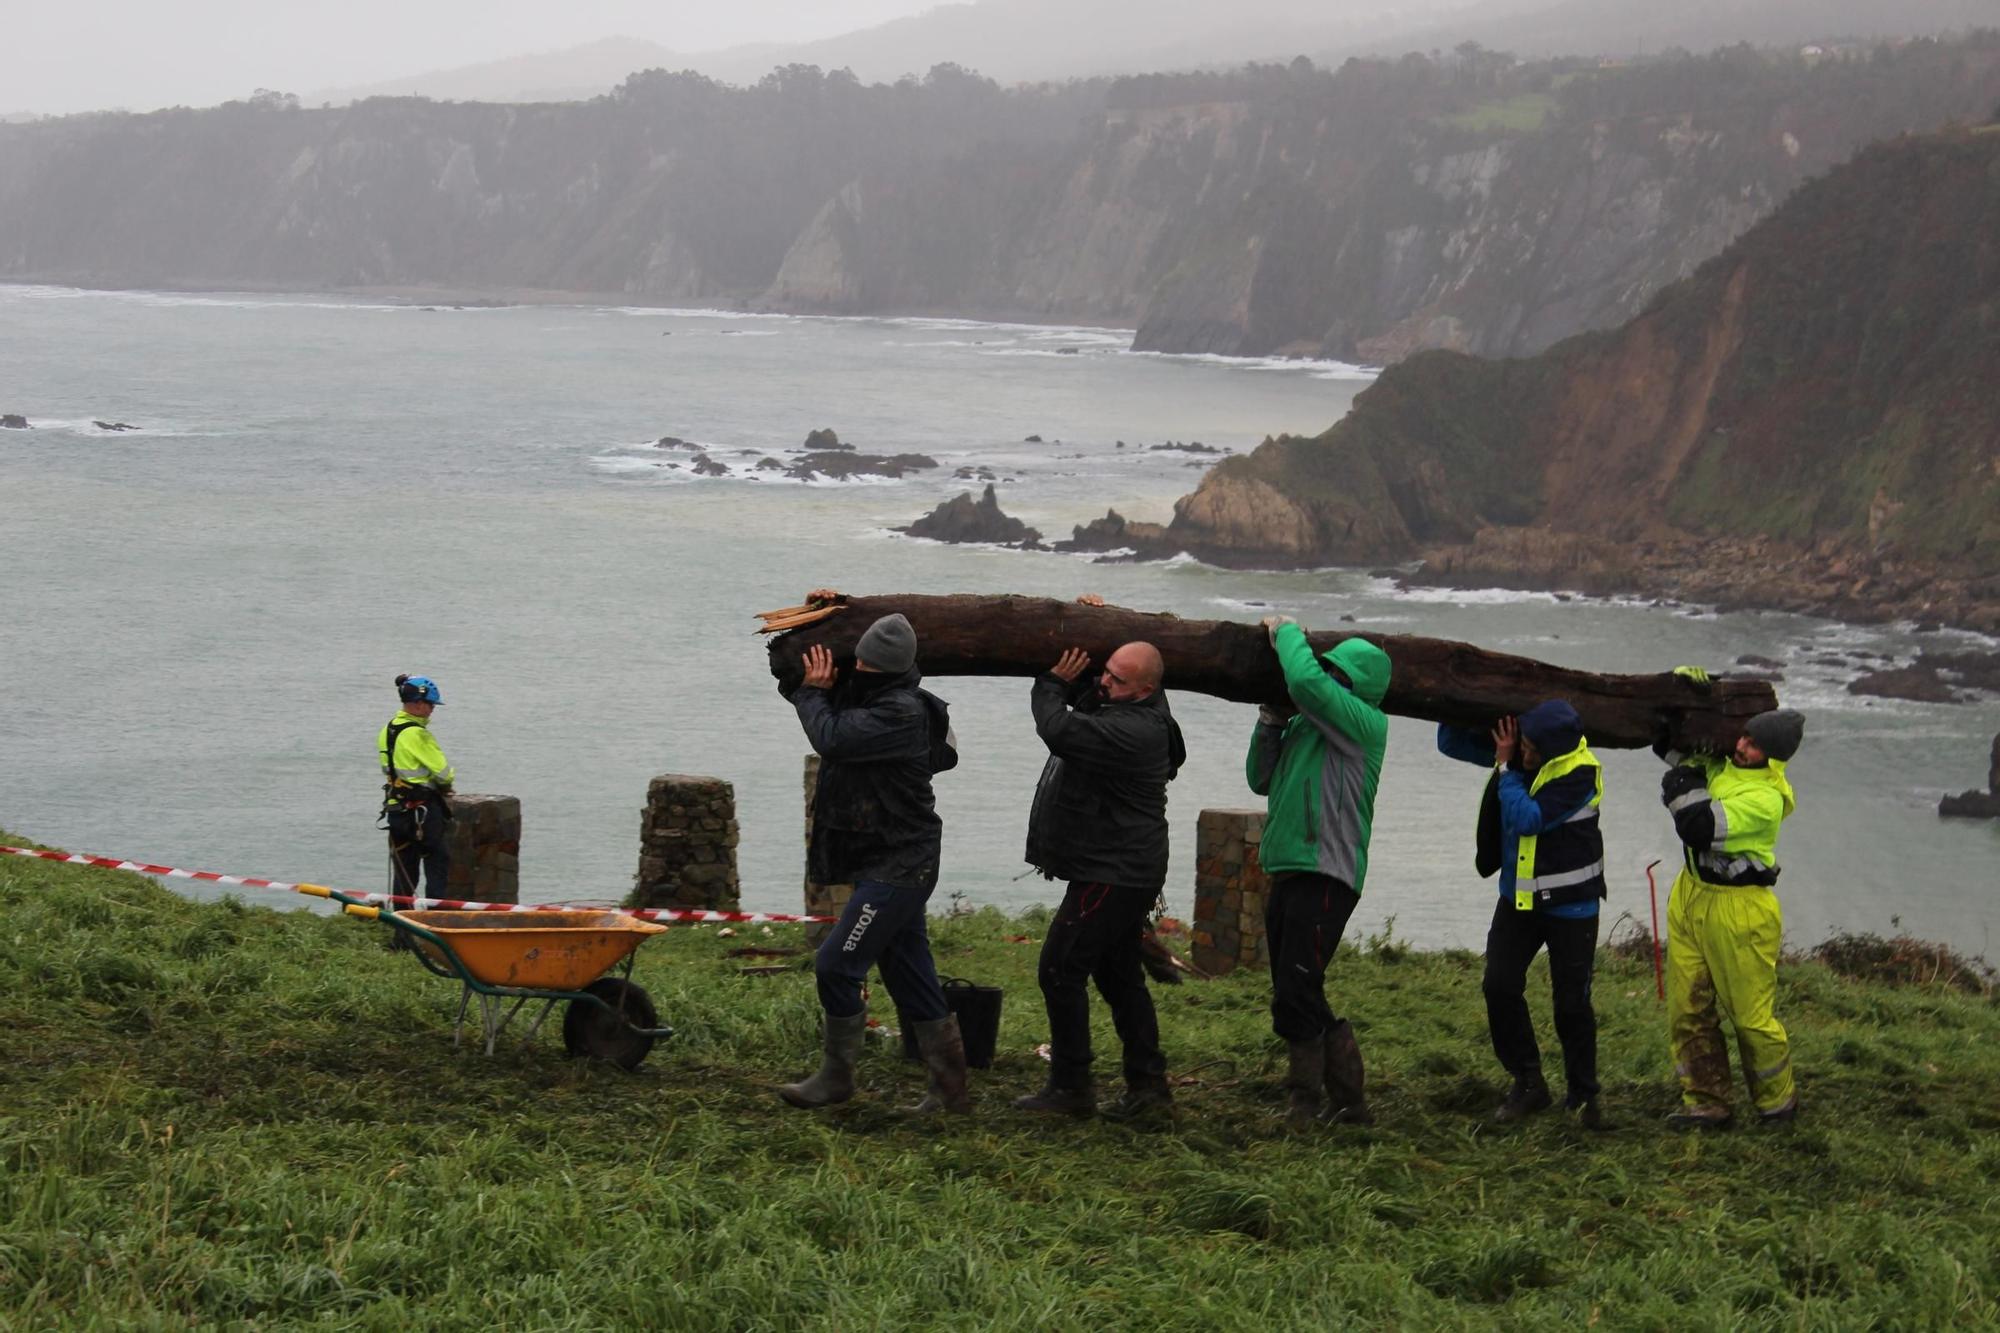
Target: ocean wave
(1427, 596)
(89, 429)
(692, 312)
(1087, 337)
(218, 300)
(954, 342)
(1317, 368)
(681, 469)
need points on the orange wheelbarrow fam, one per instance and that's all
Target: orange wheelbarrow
(552, 957)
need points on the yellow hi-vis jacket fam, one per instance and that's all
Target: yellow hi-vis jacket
(1728, 816)
(1565, 862)
(418, 762)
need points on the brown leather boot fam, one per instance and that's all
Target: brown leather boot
(1346, 1081)
(943, 1050)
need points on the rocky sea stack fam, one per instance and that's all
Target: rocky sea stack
(963, 519)
(1978, 804)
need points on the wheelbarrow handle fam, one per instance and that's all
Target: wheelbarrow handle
(365, 913)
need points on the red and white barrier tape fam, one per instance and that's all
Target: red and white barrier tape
(423, 904)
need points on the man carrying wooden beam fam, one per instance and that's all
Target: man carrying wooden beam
(1319, 763)
(1099, 821)
(875, 825)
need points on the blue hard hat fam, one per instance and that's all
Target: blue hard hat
(418, 689)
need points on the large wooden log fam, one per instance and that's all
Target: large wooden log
(1434, 679)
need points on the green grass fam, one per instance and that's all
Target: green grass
(216, 1115)
(1521, 114)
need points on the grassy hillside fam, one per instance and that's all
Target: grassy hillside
(216, 1114)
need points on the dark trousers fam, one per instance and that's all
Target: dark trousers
(1511, 945)
(1304, 918)
(1095, 937)
(417, 840)
(881, 926)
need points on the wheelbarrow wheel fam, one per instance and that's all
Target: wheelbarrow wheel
(590, 1030)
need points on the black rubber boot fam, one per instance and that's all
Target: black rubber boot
(1305, 1081)
(1529, 1094)
(943, 1050)
(1784, 1115)
(1346, 1080)
(834, 1082)
(1589, 1114)
(1144, 1097)
(1055, 1100)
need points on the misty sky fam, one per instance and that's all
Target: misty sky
(79, 55)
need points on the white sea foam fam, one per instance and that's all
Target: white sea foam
(1319, 369)
(1386, 588)
(692, 312)
(217, 300)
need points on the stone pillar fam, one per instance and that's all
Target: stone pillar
(484, 838)
(1229, 891)
(821, 899)
(687, 845)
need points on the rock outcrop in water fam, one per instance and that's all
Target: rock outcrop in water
(13, 421)
(1364, 213)
(1799, 425)
(1978, 804)
(845, 465)
(963, 519)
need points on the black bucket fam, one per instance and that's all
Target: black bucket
(978, 1011)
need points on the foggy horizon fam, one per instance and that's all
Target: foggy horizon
(99, 56)
(108, 55)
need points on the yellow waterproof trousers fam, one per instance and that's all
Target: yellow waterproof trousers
(1722, 962)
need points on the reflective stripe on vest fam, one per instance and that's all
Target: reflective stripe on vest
(1527, 884)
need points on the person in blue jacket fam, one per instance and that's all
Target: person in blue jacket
(1538, 827)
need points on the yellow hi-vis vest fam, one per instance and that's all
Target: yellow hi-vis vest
(1533, 880)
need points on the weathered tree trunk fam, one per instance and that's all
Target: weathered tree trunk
(1434, 679)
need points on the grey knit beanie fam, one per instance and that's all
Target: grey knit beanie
(889, 645)
(1778, 732)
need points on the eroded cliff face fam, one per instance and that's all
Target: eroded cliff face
(1801, 424)
(1367, 213)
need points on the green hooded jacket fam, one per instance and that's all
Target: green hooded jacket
(1320, 769)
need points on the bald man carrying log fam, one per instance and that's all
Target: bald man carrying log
(1100, 822)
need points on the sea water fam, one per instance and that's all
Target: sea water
(203, 616)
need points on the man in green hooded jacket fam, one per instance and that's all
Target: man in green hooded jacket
(1319, 764)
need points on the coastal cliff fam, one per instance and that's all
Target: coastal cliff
(1468, 202)
(1802, 424)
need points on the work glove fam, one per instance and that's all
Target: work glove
(1678, 781)
(1271, 624)
(1271, 715)
(1694, 675)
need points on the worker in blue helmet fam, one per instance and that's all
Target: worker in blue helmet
(416, 790)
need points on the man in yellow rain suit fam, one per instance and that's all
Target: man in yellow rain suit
(1724, 924)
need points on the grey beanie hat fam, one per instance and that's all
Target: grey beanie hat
(889, 645)
(1778, 732)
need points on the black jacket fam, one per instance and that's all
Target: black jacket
(873, 814)
(1100, 812)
